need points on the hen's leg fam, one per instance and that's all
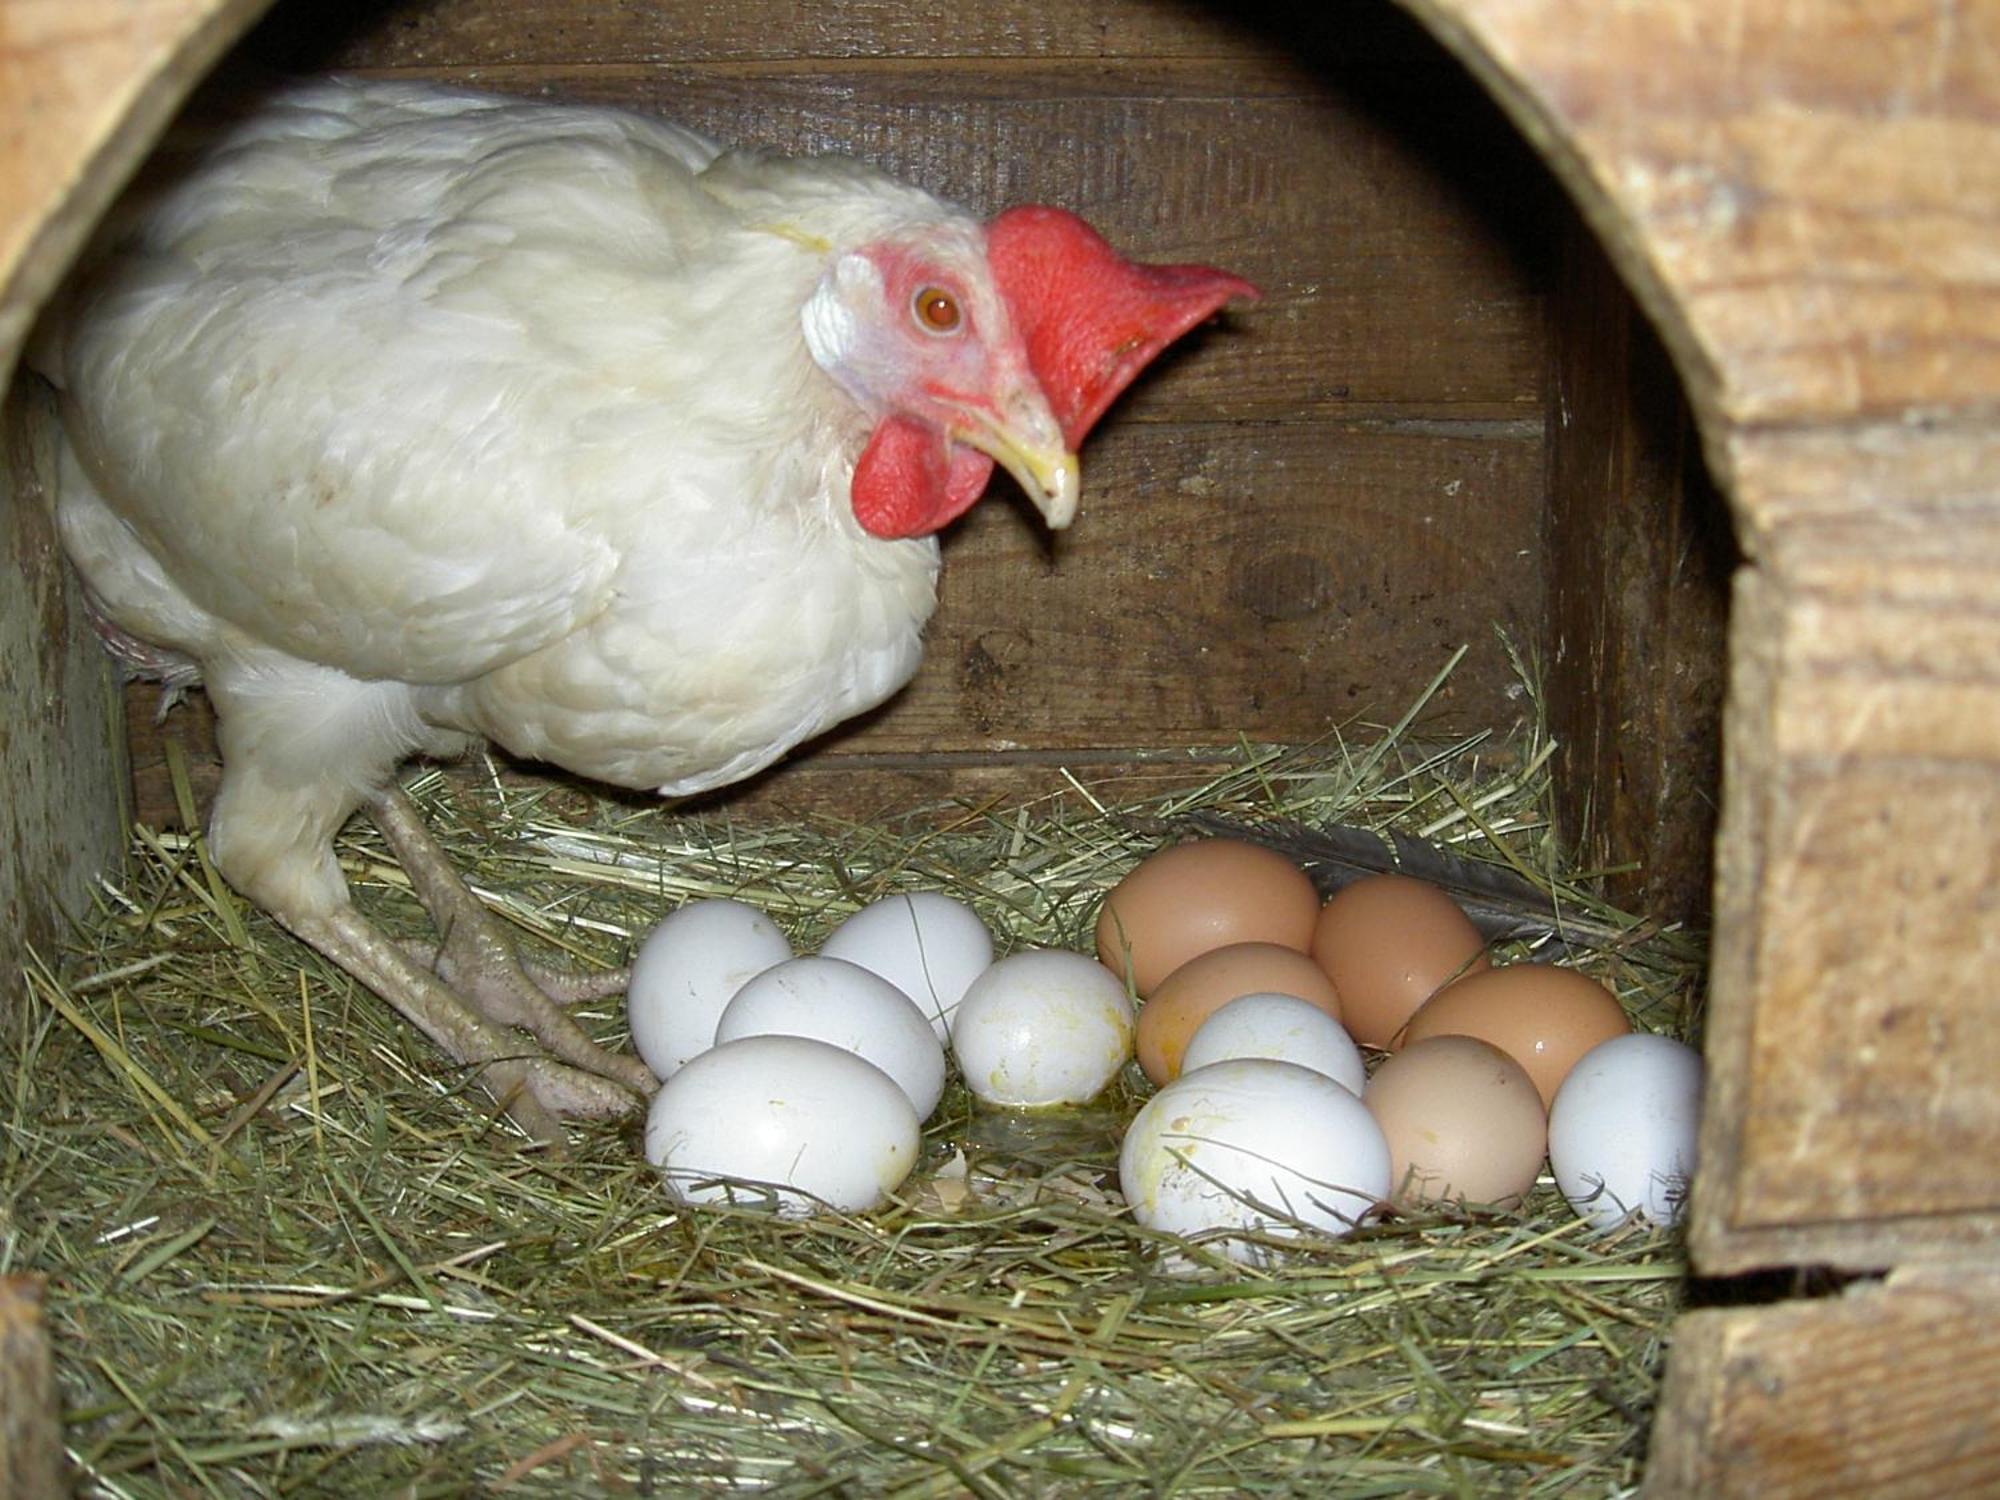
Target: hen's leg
(477, 957)
(302, 747)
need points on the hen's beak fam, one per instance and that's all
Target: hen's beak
(1026, 440)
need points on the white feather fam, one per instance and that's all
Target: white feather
(454, 414)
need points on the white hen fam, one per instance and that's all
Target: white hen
(411, 415)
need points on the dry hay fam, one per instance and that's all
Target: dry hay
(290, 1254)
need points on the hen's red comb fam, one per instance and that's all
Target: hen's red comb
(1090, 319)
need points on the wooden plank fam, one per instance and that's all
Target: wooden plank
(1854, 1025)
(492, 33)
(1804, 195)
(60, 765)
(31, 1437)
(1886, 1392)
(1639, 551)
(88, 85)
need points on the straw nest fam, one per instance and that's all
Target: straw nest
(289, 1253)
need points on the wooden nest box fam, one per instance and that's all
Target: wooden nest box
(1449, 413)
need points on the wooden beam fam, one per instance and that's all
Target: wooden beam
(1885, 1393)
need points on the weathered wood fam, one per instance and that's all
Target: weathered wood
(1802, 194)
(1885, 1392)
(493, 33)
(88, 85)
(1856, 1024)
(31, 1442)
(61, 772)
(1639, 552)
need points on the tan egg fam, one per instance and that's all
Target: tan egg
(1389, 943)
(1189, 898)
(1543, 1017)
(1207, 982)
(1463, 1120)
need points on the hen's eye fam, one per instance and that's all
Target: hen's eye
(936, 310)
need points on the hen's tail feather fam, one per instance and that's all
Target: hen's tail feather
(142, 660)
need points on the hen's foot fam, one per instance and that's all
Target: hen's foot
(565, 987)
(480, 993)
(478, 960)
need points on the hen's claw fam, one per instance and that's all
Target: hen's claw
(566, 987)
(479, 994)
(477, 957)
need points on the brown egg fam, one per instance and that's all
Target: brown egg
(1543, 1017)
(1388, 943)
(1189, 898)
(1463, 1121)
(1207, 982)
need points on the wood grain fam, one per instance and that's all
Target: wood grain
(31, 1438)
(1855, 1026)
(1804, 195)
(1885, 1392)
(88, 84)
(1639, 552)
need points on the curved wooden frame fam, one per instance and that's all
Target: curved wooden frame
(1804, 198)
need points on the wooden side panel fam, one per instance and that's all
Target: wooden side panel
(1885, 1393)
(61, 776)
(1856, 1025)
(1639, 553)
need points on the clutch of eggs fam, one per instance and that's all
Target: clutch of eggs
(798, 1083)
(1258, 1000)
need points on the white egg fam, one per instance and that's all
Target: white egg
(1622, 1130)
(686, 971)
(1258, 1145)
(783, 1122)
(1042, 1027)
(842, 1004)
(928, 946)
(1279, 1026)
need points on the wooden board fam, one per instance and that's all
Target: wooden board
(31, 1436)
(1885, 1393)
(1857, 1023)
(1639, 557)
(1802, 194)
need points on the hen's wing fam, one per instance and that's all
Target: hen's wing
(337, 418)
